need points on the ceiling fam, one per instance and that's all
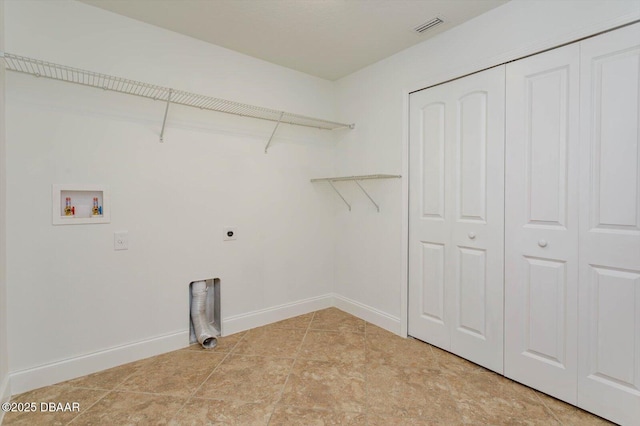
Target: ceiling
(325, 38)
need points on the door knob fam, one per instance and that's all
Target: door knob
(542, 243)
(471, 235)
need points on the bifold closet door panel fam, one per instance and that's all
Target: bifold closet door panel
(456, 200)
(609, 270)
(541, 221)
(429, 225)
(477, 206)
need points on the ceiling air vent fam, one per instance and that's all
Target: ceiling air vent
(428, 25)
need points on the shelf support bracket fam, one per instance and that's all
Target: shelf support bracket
(166, 111)
(368, 196)
(274, 132)
(339, 194)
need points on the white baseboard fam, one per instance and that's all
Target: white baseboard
(56, 372)
(367, 313)
(238, 323)
(5, 393)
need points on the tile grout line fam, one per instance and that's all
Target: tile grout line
(117, 387)
(547, 407)
(187, 399)
(459, 411)
(323, 409)
(131, 375)
(109, 391)
(90, 406)
(439, 359)
(291, 368)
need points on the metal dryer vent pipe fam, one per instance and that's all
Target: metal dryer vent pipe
(205, 333)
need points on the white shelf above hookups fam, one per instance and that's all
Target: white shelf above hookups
(39, 68)
(355, 179)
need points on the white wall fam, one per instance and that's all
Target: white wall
(370, 247)
(76, 304)
(5, 391)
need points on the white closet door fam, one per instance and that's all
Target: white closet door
(477, 207)
(429, 218)
(541, 221)
(609, 305)
(456, 217)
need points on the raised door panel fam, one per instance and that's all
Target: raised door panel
(541, 221)
(432, 286)
(609, 305)
(544, 327)
(614, 346)
(477, 258)
(546, 169)
(433, 130)
(615, 191)
(429, 238)
(471, 283)
(471, 179)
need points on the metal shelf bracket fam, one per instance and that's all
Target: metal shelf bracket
(274, 132)
(340, 195)
(166, 111)
(355, 179)
(368, 196)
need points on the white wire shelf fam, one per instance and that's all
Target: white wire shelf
(355, 179)
(54, 71)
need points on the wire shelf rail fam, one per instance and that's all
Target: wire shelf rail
(69, 74)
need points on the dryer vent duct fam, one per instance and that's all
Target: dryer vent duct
(205, 333)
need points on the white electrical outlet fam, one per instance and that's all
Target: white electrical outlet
(230, 233)
(121, 240)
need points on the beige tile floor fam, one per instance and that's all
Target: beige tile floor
(323, 368)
